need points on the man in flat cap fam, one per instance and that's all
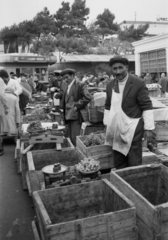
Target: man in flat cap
(75, 98)
(128, 115)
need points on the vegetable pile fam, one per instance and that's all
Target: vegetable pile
(93, 140)
(38, 110)
(35, 127)
(88, 165)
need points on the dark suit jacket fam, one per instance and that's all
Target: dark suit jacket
(135, 101)
(78, 97)
(41, 87)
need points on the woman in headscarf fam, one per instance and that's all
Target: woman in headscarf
(11, 121)
(4, 77)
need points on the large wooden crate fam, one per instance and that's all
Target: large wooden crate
(161, 130)
(87, 211)
(147, 187)
(38, 160)
(102, 153)
(41, 148)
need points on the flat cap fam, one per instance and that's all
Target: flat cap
(57, 72)
(118, 59)
(67, 71)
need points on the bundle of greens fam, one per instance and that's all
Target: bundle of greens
(93, 140)
(88, 165)
(35, 127)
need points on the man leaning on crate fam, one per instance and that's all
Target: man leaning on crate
(128, 115)
(75, 98)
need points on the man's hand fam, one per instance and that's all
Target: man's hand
(150, 136)
(17, 125)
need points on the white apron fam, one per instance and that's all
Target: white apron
(120, 128)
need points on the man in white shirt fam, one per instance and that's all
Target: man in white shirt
(15, 85)
(75, 99)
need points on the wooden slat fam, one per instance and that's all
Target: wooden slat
(58, 146)
(30, 162)
(144, 209)
(120, 194)
(35, 231)
(138, 169)
(41, 209)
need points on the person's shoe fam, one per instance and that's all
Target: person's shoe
(1, 152)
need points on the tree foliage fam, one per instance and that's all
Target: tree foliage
(70, 21)
(68, 32)
(71, 45)
(45, 46)
(44, 23)
(132, 34)
(105, 23)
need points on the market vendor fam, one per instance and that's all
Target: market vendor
(128, 115)
(40, 87)
(75, 98)
(55, 82)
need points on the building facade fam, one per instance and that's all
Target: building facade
(151, 55)
(155, 28)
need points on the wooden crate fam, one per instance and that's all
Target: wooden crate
(149, 158)
(87, 211)
(161, 129)
(147, 187)
(37, 160)
(102, 153)
(40, 148)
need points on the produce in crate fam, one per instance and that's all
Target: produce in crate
(38, 110)
(88, 165)
(93, 140)
(35, 127)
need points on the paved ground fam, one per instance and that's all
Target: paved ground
(16, 212)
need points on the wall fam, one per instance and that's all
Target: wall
(158, 42)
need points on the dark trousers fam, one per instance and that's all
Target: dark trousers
(73, 129)
(134, 157)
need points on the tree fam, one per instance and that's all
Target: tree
(62, 17)
(45, 46)
(105, 23)
(132, 34)
(71, 45)
(26, 34)
(44, 23)
(79, 14)
(70, 21)
(9, 35)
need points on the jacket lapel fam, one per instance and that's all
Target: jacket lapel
(70, 91)
(127, 88)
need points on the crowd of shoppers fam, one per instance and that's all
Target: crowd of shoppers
(15, 94)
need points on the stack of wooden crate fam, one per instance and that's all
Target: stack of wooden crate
(147, 187)
(102, 153)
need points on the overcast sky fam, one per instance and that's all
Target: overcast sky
(15, 11)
